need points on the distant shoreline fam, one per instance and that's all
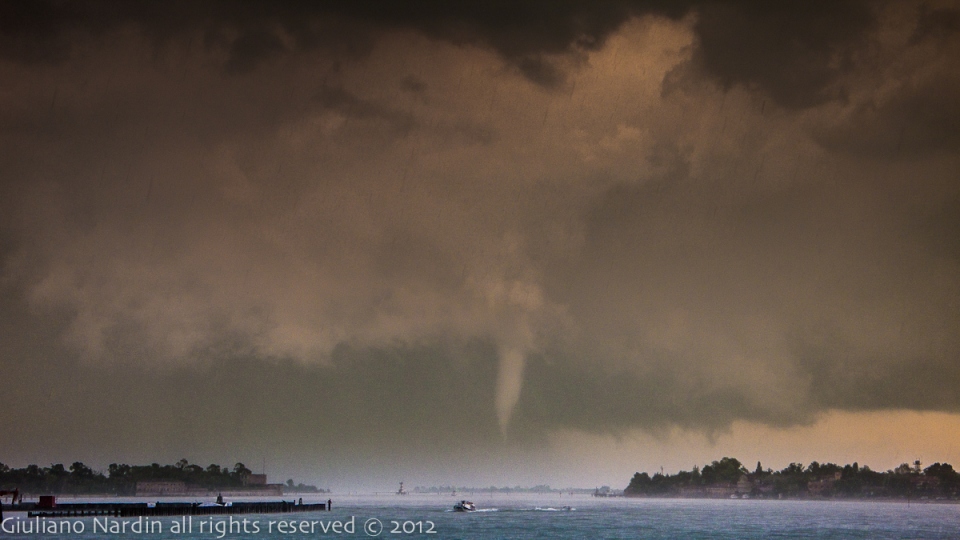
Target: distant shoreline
(798, 499)
(182, 479)
(729, 479)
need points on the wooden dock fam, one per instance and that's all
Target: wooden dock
(68, 510)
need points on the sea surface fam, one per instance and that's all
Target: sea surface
(524, 516)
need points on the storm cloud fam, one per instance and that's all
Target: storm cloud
(338, 226)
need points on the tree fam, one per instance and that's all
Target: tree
(792, 469)
(80, 471)
(823, 469)
(639, 484)
(118, 471)
(241, 470)
(182, 464)
(903, 468)
(943, 471)
(728, 470)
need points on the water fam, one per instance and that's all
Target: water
(555, 517)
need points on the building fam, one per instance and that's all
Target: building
(161, 488)
(255, 480)
(720, 490)
(744, 485)
(824, 486)
(692, 492)
(254, 485)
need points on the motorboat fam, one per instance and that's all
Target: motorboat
(464, 506)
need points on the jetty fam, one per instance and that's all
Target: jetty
(159, 509)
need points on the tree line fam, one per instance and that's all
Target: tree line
(729, 477)
(120, 479)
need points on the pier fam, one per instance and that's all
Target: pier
(67, 510)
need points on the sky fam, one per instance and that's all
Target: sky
(479, 243)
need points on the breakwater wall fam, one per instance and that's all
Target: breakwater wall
(172, 509)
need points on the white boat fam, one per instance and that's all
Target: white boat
(464, 506)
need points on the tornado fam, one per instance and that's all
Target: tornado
(509, 384)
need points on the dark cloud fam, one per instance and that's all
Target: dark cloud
(303, 227)
(41, 31)
(666, 265)
(563, 394)
(352, 106)
(250, 49)
(841, 380)
(918, 120)
(541, 72)
(793, 51)
(938, 24)
(413, 84)
(918, 113)
(940, 229)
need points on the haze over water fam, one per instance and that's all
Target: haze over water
(538, 517)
